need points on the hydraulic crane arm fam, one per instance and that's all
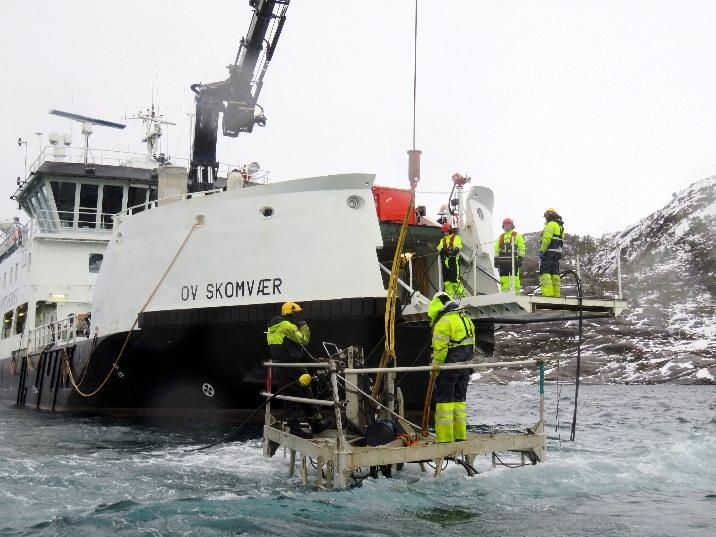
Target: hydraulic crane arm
(236, 96)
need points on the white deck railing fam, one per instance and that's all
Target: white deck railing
(62, 332)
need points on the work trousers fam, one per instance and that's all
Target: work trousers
(293, 412)
(505, 268)
(451, 276)
(549, 279)
(450, 395)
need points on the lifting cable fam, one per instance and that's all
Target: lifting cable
(68, 368)
(414, 175)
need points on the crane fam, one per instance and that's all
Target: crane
(236, 97)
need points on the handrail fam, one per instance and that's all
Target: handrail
(116, 157)
(65, 331)
(454, 365)
(129, 211)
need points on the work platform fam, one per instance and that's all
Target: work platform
(338, 453)
(510, 308)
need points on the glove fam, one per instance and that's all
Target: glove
(435, 363)
(541, 256)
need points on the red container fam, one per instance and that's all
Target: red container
(391, 203)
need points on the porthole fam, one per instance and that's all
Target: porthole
(266, 212)
(354, 202)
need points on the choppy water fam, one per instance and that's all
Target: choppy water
(644, 464)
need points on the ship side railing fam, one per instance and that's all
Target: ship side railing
(117, 157)
(168, 199)
(63, 332)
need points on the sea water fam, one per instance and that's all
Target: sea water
(643, 464)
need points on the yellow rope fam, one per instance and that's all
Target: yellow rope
(391, 298)
(134, 325)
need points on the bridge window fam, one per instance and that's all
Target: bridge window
(21, 318)
(88, 206)
(111, 203)
(7, 324)
(64, 201)
(95, 262)
(137, 196)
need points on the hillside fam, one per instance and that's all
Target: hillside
(668, 334)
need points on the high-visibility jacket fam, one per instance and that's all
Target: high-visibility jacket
(552, 237)
(453, 329)
(286, 339)
(503, 246)
(450, 242)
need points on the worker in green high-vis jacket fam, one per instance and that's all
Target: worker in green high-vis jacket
(550, 252)
(287, 336)
(453, 341)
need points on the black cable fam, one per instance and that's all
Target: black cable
(579, 350)
(233, 433)
(507, 465)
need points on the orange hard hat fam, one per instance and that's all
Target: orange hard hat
(508, 221)
(445, 227)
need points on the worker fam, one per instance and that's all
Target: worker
(550, 252)
(287, 336)
(509, 244)
(453, 341)
(449, 249)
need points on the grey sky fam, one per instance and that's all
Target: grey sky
(600, 109)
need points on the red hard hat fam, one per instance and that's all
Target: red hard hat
(508, 221)
(445, 227)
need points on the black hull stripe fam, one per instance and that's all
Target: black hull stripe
(343, 308)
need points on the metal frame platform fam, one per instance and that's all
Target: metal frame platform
(339, 455)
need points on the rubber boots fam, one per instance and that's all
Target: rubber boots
(459, 421)
(294, 427)
(454, 290)
(545, 283)
(317, 423)
(444, 422)
(555, 284)
(505, 283)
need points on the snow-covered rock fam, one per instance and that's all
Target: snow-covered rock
(668, 334)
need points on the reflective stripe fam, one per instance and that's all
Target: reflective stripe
(441, 338)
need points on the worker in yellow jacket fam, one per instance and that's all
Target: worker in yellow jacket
(449, 249)
(509, 251)
(453, 341)
(551, 249)
(287, 336)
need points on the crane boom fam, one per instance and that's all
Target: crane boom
(236, 96)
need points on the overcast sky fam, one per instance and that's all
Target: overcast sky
(600, 109)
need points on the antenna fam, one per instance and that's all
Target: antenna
(153, 123)
(87, 123)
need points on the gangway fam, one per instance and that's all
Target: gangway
(341, 451)
(511, 308)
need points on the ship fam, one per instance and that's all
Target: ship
(142, 285)
(125, 294)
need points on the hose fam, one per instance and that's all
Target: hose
(579, 350)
